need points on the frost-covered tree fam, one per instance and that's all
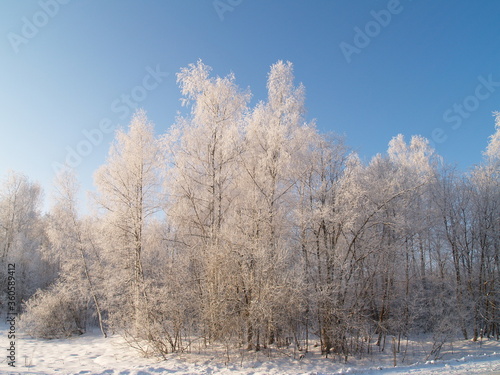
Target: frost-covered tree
(276, 142)
(469, 211)
(482, 285)
(492, 152)
(128, 196)
(453, 198)
(73, 246)
(320, 219)
(22, 235)
(248, 227)
(19, 200)
(362, 229)
(201, 183)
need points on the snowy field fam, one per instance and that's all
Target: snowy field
(90, 354)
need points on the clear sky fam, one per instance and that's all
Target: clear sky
(372, 69)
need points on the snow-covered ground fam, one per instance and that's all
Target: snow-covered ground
(90, 354)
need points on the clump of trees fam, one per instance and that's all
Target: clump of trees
(246, 226)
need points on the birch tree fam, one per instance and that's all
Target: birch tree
(203, 150)
(128, 195)
(276, 139)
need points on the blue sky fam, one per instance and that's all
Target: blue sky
(418, 67)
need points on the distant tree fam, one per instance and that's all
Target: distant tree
(485, 220)
(22, 235)
(20, 200)
(74, 246)
(492, 152)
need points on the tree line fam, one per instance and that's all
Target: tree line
(247, 226)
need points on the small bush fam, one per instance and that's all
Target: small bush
(54, 313)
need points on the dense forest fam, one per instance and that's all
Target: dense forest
(247, 226)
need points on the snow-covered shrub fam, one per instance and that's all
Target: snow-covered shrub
(54, 313)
